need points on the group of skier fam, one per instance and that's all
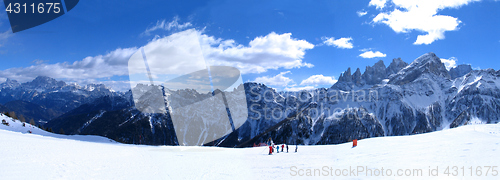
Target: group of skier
(270, 143)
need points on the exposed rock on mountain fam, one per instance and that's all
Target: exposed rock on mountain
(373, 75)
(400, 99)
(56, 97)
(395, 66)
(460, 71)
(426, 64)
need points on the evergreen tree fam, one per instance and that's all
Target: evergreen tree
(32, 122)
(61, 131)
(21, 117)
(13, 115)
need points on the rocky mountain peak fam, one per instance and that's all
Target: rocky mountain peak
(43, 83)
(430, 56)
(9, 83)
(372, 75)
(375, 74)
(356, 77)
(396, 65)
(357, 72)
(379, 64)
(346, 76)
(426, 64)
(460, 71)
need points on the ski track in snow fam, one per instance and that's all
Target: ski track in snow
(44, 155)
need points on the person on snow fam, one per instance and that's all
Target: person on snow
(296, 147)
(277, 148)
(286, 146)
(282, 147)
(270, 150)
(269, 142)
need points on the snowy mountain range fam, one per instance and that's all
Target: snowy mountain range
(48, 98)
(407, 99)
(399, 99)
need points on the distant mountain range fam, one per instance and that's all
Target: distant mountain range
(399, 99)
(45, 98)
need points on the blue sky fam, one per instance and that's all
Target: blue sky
(287, 45)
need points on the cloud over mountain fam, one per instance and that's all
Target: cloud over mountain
(272, 51)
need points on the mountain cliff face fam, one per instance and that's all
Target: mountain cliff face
(373, 75)
(475, 95)
(400, 99)
(376, 73)
(420, 97)
(460, 71)
(428, 64)
(56, 97)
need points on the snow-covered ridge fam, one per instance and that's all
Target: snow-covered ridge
(57, 158)
(43, 84)
(420, 97)
(17, 126)
(407, 99)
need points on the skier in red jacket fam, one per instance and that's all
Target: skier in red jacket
(270, 150)
(282, 147)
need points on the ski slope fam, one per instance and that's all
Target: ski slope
(43, 155)
(17, 126)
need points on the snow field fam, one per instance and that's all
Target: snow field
(44, 155)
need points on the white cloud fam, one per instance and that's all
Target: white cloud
(371, 54)
(295, 88)
(278, 80)
(174, 24)
(365, 49)
(281, 82)
(422, 16)
(2, 18)
(343, 43)
(102, 66)
(4, 36)
(38, 61)
(272, 51)
(378, 3)
(449, 63)
(319, 79)
(361, 13)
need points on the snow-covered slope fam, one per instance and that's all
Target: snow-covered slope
(16, 126)
(34, 156)
(400, 99)
(421, 97)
